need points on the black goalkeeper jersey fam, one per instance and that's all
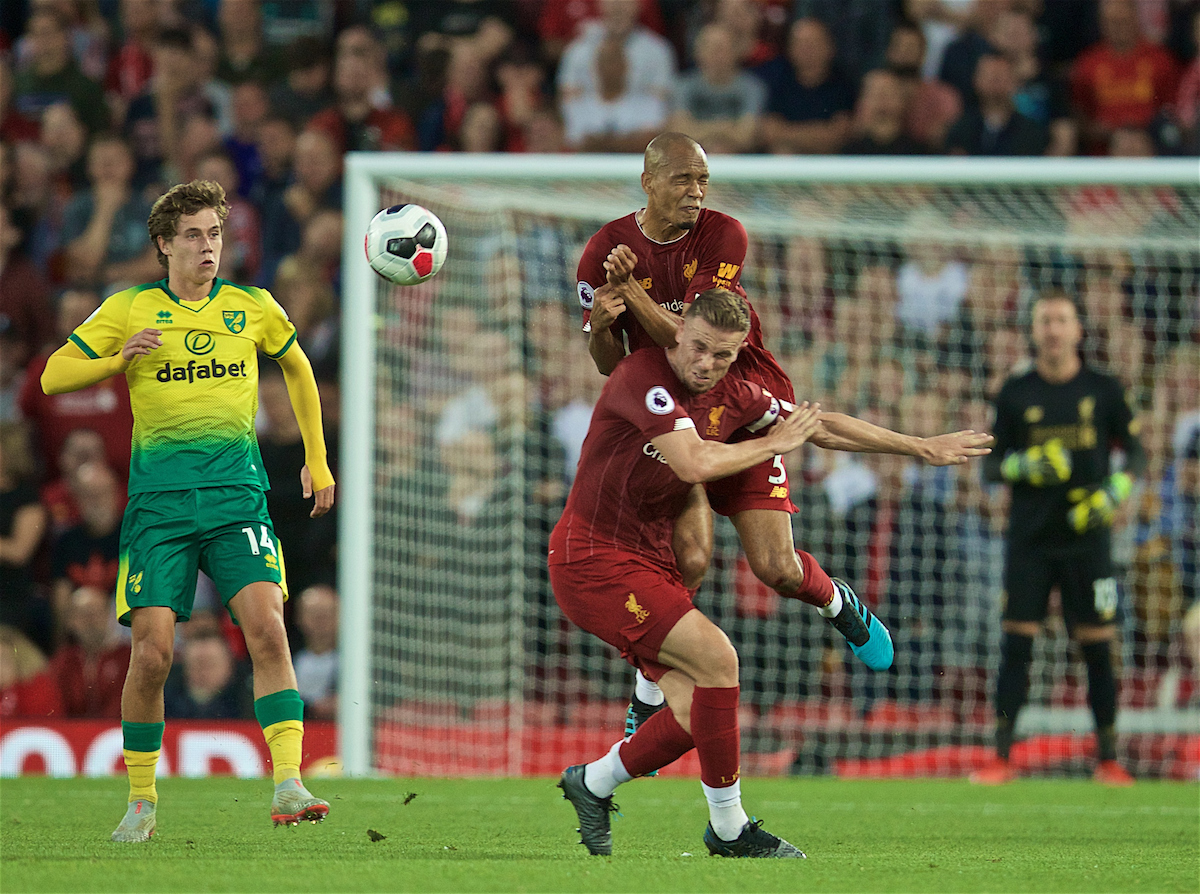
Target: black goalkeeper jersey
(1091, 416)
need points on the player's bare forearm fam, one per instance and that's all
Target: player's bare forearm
(660, 324)
(841, 432)
(306, 402)
(606, 351)
(69, 369)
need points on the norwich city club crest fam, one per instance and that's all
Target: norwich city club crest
(235, 320)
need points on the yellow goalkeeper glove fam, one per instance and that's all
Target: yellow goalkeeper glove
(1048, 464)
(1095, 509)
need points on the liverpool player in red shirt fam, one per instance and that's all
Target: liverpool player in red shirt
(614, 573)
(635, 277)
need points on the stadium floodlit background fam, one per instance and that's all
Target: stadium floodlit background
(895, 288)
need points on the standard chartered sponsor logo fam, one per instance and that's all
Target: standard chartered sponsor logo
(651, 451)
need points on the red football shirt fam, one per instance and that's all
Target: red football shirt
(710, 255)
(625, 496)
(1124, 90)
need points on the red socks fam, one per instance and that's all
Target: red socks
(658, 742)
(717, 736)
(817, 588)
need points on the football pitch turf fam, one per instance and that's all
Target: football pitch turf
(443, 835)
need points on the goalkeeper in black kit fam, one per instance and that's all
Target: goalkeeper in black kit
(1056, 428)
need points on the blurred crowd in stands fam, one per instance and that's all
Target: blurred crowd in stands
(105, 103)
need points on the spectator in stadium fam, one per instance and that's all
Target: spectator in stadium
(1122, 81)
(1185, 542)
(27, 690)
(25, 311)
(36, 202)
(302, 288)
(544, 132)
(276, 143)
(15, 126)
(362, 119)
(522, 95)
(482, 129)
(615, 118)
(809, 104)
(1186, 112)
(102, 409)
(23, 526)
(315, 185)
(54, 74)
(1056, 427)
(310, 545)
(992, 125)
(66, 142)
(931, 283)
(758, 28)
(208, 682)
(859, 29)
(560, 23)
(615, 82)
(243, 231)
(719, 103)
(970, 43)
(1131, 142)
(131, 65)
(245, 55)
(91, 664)
(1041, 95)
(155, 120)
(307, 89)
(317, 661)
(104, 230)
(931, 105)
(88, 553)
(879, 118)
(249, 107)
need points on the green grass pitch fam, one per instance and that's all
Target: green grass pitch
(518, 835)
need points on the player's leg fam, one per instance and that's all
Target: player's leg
(692, 543)
(707, 664)
(142, 721)
(246, 563)
(156, 584)
(1028, 578)
(258, 608)
(1089, 598)
(766, 537)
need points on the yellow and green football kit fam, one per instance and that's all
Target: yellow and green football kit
(196, 479)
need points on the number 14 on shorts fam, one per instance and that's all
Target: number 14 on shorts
(264, 541)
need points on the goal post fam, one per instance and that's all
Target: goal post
(463, 399)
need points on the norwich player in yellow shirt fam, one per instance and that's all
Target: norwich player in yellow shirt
(188, 346)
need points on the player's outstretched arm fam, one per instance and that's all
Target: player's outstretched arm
(660, 324)
(841, 432)
(315, 476)
(695, 460)
(70, 369)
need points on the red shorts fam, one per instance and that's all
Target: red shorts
(764, 486)
(626, 600)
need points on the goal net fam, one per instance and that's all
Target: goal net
(897, 291)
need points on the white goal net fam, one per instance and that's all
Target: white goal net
(893, 290)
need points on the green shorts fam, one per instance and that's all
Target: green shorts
(167, 536)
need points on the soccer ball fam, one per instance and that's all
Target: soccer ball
(406, 244)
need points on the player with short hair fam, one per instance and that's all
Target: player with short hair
(614, 573)
(1056, 428)
(636, 275)
(188, 345)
